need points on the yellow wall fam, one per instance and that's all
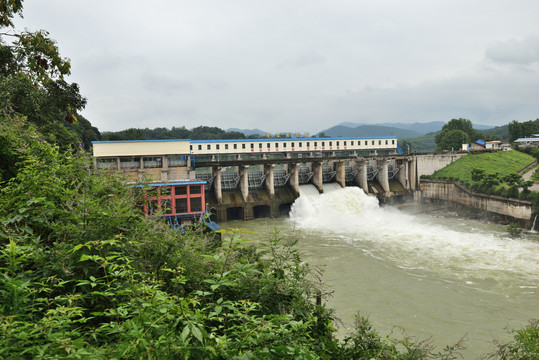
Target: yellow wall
(141, 148)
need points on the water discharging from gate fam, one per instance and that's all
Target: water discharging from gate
(436, 276)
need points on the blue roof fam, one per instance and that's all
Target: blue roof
(294, 139)
(480, 142)
(172, 183)
(251, 140)
(132, 141)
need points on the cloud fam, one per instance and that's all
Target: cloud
(517, 52)
(165, 83)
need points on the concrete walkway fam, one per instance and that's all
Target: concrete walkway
(527, 175)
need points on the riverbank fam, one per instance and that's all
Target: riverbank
(495, 208)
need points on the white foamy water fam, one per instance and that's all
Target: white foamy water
(413, 242)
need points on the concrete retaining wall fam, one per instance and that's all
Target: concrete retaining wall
(427, 164)
(519, 210)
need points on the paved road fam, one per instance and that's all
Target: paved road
(527, 176)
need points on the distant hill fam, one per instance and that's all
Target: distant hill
(421, 128)
(248, 132)
(370, 130)
(500, 131)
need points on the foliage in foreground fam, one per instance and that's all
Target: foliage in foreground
(86, 275)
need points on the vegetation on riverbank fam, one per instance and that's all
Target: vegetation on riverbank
(495, 173)
(501, 162)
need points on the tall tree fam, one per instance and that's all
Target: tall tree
(36, 100)
(32, 78)
(463, 125)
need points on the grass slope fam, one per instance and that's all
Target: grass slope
(503, 162)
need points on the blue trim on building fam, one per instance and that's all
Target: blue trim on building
(135, 141)
(248, 140)
(293, 139)
(173, 183)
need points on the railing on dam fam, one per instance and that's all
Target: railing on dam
(280, 178)
(350, 175)
(328, 174)
(208, 178)
(255, 179)
(391, 171)
(371, 173)
(304, 175)
(229, 180)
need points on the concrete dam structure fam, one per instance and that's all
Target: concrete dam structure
(248, 189)
(251, 178)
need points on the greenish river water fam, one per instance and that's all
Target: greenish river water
(435, 276)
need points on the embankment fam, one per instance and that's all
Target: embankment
(492, 206)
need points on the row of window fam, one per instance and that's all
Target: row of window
(135, 162)
(292, 145)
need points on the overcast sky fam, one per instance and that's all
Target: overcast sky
(294, 65)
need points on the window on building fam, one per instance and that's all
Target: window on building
(284, 145)
(315, 143)
(243, 146)
(344, 143)
(323, 143)
(166, 206)
(386, 142)
(195, 189)
(330, 143)
(392, 142)
(176, 160)
(181, 205)
(217, 147)
(260, 145)
(199, 147)
(276, 145)
(268, 145)
(252, 146)
(226, 146)
(308, 144)
(366, 142)
(180, 190)
(208, 147)
(379, 142)
(235, 146)
(152, 162)
(372, 142)
(130, 163)
(196, 204)
(292, 145)
(191, 147)
(299, 145)
(107, 163)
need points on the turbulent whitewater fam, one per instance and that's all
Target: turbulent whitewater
(414, 242)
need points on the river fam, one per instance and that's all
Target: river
(435, 276)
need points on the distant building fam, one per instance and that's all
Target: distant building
(480, 145)
(477, 145)
(493, 145)
(532, 141)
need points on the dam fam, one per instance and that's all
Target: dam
(252, 178)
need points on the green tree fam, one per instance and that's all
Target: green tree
(515, 130)
(464, 126)
(453, 139)
(32, 78)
